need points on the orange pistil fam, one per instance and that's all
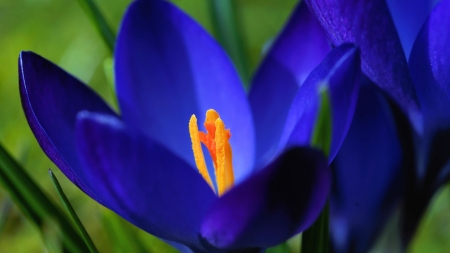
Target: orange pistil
(216, 141)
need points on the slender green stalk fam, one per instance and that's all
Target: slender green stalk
(108, 69)
(107, 34)
(280, 248)
(72, 214)
(226, 26)
(316, 238)
(321, 137)
(5, 212)
(99, 20)
(34, 203)
(122, 236)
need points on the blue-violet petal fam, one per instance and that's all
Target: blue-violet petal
(141, 180)
(51, 99)
(272, 205)
(168, 68)
(299, 48)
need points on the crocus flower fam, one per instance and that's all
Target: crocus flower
(147, 164)
(397, 156)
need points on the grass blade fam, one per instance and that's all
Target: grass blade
(73, 215)
(122, 236)
(35, 204)
(225, 23)
(5, 212)
(281, 248)
(99, 20)
(316, 238)
(321, 137)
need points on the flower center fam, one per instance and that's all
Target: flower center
(216, 141)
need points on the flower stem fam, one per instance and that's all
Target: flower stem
(99, 20)
(35, 204)
(227, 30)
(87, 239)
(316, 238)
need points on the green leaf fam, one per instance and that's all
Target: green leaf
(5, 211)
(125, 237)
(108, 69)
(280, 248)
(321, 137)
(122, 237)
(73, 215)
(316, 239)
(99, 20)
(225, 23)
(35, 204)
(51, 236)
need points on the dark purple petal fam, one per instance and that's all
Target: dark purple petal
(439, 159)
(168, 68)
(429, 65)
(430, 68)
(340, 73)
(51, 99)
(141, 180)
(368, 24)
(423, 181)
(272, 205)
(367, 173)
(298, 50)
(409, 16)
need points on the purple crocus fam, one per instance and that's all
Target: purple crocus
(402, 152)
(141, 164)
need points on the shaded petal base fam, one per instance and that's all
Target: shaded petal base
(141, 180)
(272, 205)
(368, 173)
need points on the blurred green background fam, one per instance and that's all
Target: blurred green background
(61, 31)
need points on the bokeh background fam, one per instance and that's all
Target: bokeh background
(61, 31)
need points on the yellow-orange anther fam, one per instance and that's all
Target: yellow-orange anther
(216, 141)
(224, 167)
(198, 153)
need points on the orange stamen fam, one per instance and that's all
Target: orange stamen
(198, 153)
(216, 141)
